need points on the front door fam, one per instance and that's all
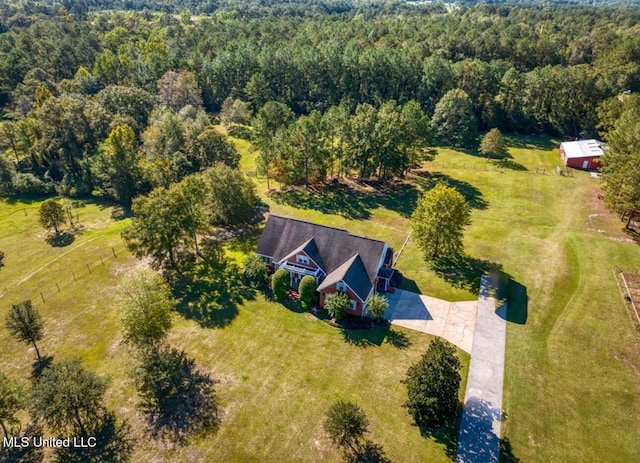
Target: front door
(295, 280)
(585, 164)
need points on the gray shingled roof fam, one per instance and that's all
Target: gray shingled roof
(310, 248)
(281, 236)
(353, 273)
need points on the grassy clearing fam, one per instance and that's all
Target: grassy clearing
(279, 368)
(573, 357)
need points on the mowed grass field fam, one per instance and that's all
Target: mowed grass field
(572, 378)
(278, 368)
(573, 356)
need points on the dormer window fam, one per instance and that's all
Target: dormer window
(341, 287)
(302, 259)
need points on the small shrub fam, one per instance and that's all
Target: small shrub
(307, 291)
(337, 305)
(280, 283)
(377, 305)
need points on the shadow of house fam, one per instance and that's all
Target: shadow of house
(212, 290)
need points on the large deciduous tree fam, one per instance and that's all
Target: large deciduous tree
(232, 197)
(68, 397)
(179, 89)
(25, 324)
(52, 215)
(159, 229)
(118, 165)
(146, 304)
(10, 404)
(438, 222)
(454, 119)
(432, 385)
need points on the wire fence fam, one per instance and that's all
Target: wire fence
(630, 293)
(63, 280)
(488, 166)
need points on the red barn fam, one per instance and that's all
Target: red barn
(582, 154)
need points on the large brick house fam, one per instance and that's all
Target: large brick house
(338, 260)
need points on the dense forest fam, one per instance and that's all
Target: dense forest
(88, 92)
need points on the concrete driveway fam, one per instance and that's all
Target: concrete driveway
(453, 321)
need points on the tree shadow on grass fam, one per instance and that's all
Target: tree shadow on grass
(211, 291)
(178, 400)
(60, 240)
(349, 202)
(246, 240)
(112, 443)
(446, 434)
(517, 302)
(366, 337)
(366, 452)
(471, 194)
(398, 339)
(463, 271)
(506, 452)
(531, 142)
(38, 366)
(27, 454)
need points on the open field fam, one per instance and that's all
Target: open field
(573, 357)
(279, 369)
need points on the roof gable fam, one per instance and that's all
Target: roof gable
(310, 248)
(353, 274)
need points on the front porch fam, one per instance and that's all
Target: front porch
(297, 272)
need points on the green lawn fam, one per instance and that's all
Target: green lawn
(573, 357)
(278, 369)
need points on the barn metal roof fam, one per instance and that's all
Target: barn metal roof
(583, 148)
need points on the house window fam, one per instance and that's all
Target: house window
(302, 259)
(341, 287)
(353, 305)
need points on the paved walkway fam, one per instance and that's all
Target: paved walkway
(453, 321)
(479, 439)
